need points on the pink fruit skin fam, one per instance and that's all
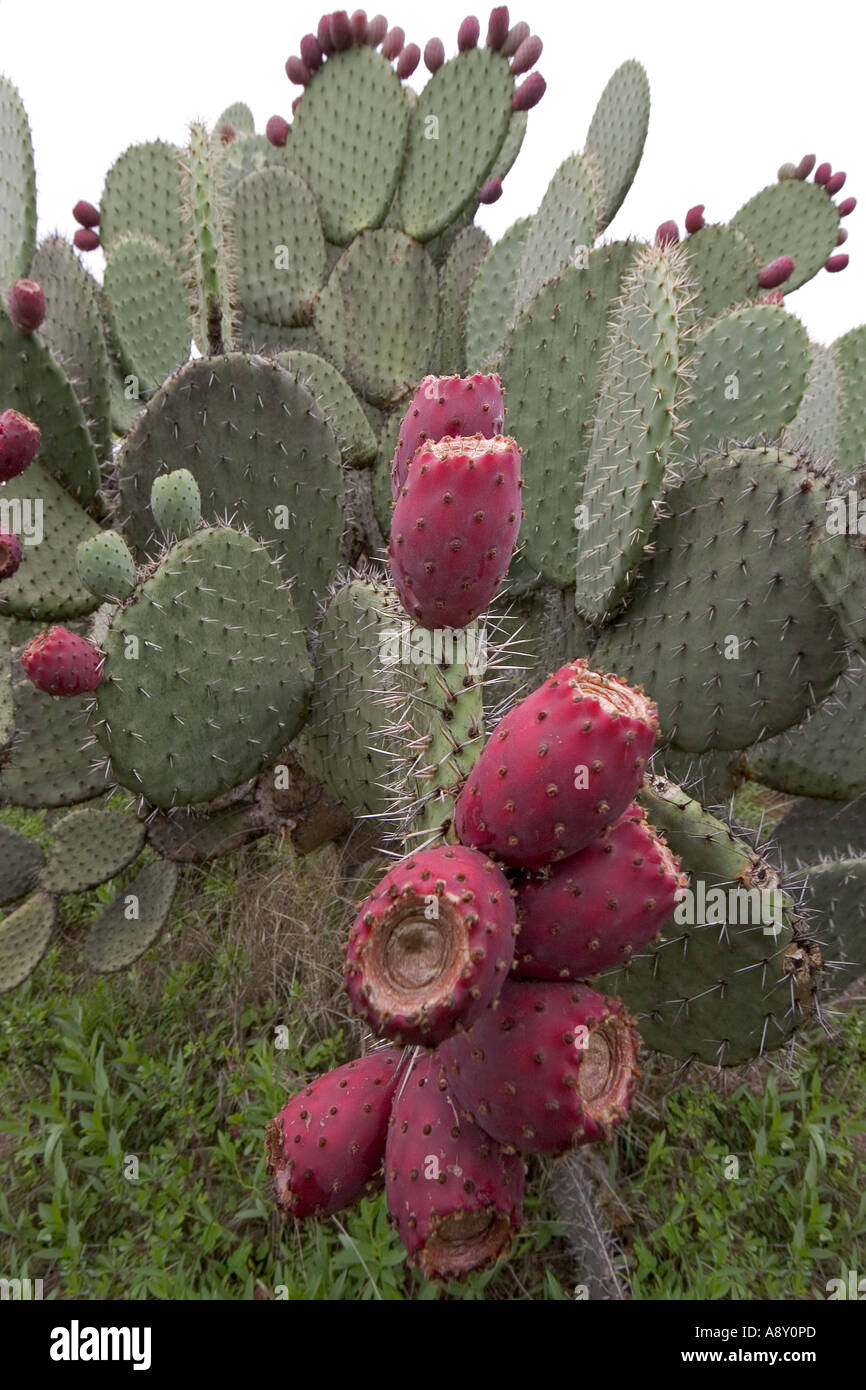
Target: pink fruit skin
(529, 93)
(436, 1166)
(297, 72)
(836, 263)
(805, 167)
(517, 1073)
(85, 239)
(491, 191)
(564, 763)
(527, 55)
(434, 54)
(19, 444)
(62, 663)
(326, 1146)
(393, 43)
(454, 528)
(341, 30)
(277, 130)
(323, 34)
(695, 219)
(514, 38)
(26, 306)
(474, 904)
(311, 52)
(834, 183)
(847, 206)
(776, 273)
(497, 27)
(822, 173)
(447, 406)
(376, 30)
(86, 214)
(11, 552)
(360, 26)
(842, 236)
(774, 297)
(467, 34)
(408, 61)
(667, 232)
(597, 908)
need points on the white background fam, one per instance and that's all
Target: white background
(737, 88)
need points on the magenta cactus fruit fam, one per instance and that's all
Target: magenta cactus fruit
(835, 182)
(297, 71)
(311, 52)
(695, 219)
(546, 1067)
(786, 171)
(776, 273)
(62, 663)
(491, 191)
(468, 33)
(431, 945)
(529, 93)
(341, 30)
(408, 61)
(596, 908)
(11, 552)
(376, 30)
(323, 34)
(805, 167)
(85, 239)
(841, 236)
(360, 27)
(497, 27)
(226, 133)
(847, 206)
(514, 38)
(19, 444)
(774, 297)
(454, 528)
(394, 40)
(26, 306)
(455, 1196)
(326, 1146)
(527, 55)
(564, 763)
(434, 54)
(822, 173)
(277, 130)
(85, 214)
(836, 263)
(667, 233)
(446, 406)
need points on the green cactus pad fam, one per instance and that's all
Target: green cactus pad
(35, 384)
(240, 117)
(816, 829)
(726, 630)
(724, 267)
(816, 425)
(46, 586)
(205, 674)
(72, 331)
(534, 636)
(348, 141)
(456, 279)
(511, 145)
(849, 353)
(383, 501)
(838, 568)
(635, 421)
(563, 230)
(142, 195)
(105, 566)
(731, 988)
(750, 371)
(24, 938)
(147, 309)
(825, 756)
(338, 403)
(90, 846)
(20, 862)
(175, 501)
(134, 921)
(836, 894)
(792, 218)
(258, 336)
(7, 713)
(616, 136)
(550, 368)
(491, 299)
(708, 777)
(17, 187)
(247, 154)
(260, 451)
(211, 277)
(456, 133)
(279, 249)
(382, 354)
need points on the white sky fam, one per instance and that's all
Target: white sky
(738, 87)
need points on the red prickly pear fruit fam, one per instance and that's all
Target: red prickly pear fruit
(774, 297)
(497, 27)
(295, 104)
(468, 33)
(527, 55)
(227, 133)
(26, 306)
(392, 45)
(323, 34)
(443, 407)
(326, 1146)
(297, 71)
(847, 206)
(667, 233)
(514, 38)
(822, 173)
(491, 191)
(62, 663)
(85, 239)
(546, 1067)
(836, 263)
(596, 908)
(341, 30)
(455, 1195)
(529, 93)
(85, 214)
(776, 273)
(695, 219)
(786, 171)
(564, 763)
(277, 130)
(454, 528)
(360, 27)
(376, 30)
(434, 54)
(408, 61)
(11, 551)
(431, 945)
(19, 444)
(805, 167)
(311, 52)
(842, 236)
(834, 183)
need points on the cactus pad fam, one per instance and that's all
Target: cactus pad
(20, 862)
(147, 310)
(564, 228)
(142, 195)
(825, 755)
(24, 937)
(724, 267)
(492, 296)
(105, 565)
(849, 352)
(791, 218)
(133, 922)
(836, 893)
(816, 426)
(17, 188)
(456, 279)
(616, 135)
(337, 402)
(47, 583)
(90, 845)
(279, 249)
